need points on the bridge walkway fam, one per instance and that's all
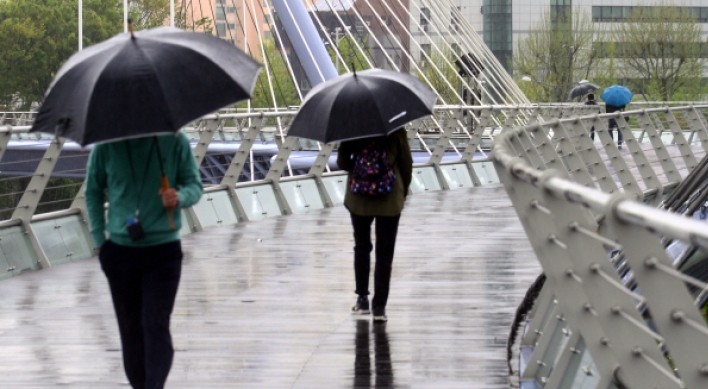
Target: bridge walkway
(266, 304)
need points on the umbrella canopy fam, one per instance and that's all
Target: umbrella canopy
(582, 89)
(369, 103)
(153, 82)
(616, 95)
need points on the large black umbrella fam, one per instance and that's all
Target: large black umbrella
(153, 82)
(582, 89)
(364, 104)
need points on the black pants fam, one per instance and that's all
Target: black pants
(143, 284)
(386, 230)
(611, 126)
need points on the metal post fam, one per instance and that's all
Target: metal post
(30, 199)
(81, 25)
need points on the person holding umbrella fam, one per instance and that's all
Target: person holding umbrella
(385, 210)
(366, 111)
(616, 98)
(130, 95)
(142, 257)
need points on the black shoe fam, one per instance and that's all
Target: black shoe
(380, 314)
(362, 306)
(619, 146)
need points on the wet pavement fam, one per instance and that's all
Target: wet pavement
(266, 304)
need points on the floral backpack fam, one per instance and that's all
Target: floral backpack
(373, 174)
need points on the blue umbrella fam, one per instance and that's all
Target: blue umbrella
(616, 95)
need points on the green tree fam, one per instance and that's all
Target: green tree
(659, 50)
(281, 81)
(440, 75)
(557, 53)
(38, 36)
(350, 53)
(150, 13)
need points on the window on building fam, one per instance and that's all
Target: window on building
(621, 13)
(423, 60)
(220, 14)
(230, 10)
(454, 18)
(221, 30)
(424, 16)
(266, 19)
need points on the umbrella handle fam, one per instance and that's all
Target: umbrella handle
(170, 211)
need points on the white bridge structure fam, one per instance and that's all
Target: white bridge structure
(620, 234)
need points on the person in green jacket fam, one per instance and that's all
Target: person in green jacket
(386, 210)
(142, 254)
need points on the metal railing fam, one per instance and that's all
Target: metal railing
(451, 140)
(621, 303)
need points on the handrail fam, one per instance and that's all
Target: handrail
(606, 255)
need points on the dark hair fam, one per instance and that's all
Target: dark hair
(591, 96)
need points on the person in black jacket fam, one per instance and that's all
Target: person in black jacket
(591, 101)
(612, 123)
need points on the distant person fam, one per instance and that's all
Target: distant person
(612, 123)
(365, 206)
(591, 101)
(142, 256)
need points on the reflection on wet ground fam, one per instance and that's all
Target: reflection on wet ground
(266, 305)
(382, 373)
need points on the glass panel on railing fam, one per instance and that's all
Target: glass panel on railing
(47, 232)
(215, 209)
(457, 175)
(16, 252)
(205, 211)
(186, 224)
(5, 268)
(302, 195)
(221, 201)
(581, 372)
(424, 180)
(74, 234)
(558, 340)
(486, 173)
(336, 187)
(259, 202)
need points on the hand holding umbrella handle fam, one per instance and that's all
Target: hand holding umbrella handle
(170, 210)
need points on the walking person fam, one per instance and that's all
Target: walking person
(142, 255)
(385, 209)
(591, 101)
(612, 123)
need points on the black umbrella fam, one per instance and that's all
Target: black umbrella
(582, 89)
(364, 104)
(153, 82)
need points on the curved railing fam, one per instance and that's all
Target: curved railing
(624, 285)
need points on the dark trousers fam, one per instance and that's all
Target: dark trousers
(610, 129)
(386, 230)
(143, 283)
